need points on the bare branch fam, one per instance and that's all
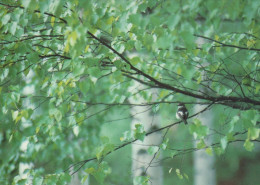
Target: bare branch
(227, 45)
(169, 87)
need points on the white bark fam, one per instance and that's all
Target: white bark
(141, 160)
(204, 169)
(204, 164)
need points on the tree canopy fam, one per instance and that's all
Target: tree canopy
(66, 68)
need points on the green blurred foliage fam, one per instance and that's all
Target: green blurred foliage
(63, 94)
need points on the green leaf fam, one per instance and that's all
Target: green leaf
(78, 69)
(15, 114)
(64, 178)
(119, 64)
(173, 153)
(135, 19)
(188, 39)
(21, 182)
(84, 179)
(37, 180)
(52, 21)
(94, 72)
(249, 146)
(105, 148)
(148, 41)
(139, 132)
(201, 144)
(223, 142)
(43, 6)
(11, 138)
(152, 150)
(13, 27)
(199, 79)
(249, 118)
(100, 172)
(127, 136)
(5, 19)
(257, 89)
(253, 133)
(25, 113)
(119, 47)
(228, 92)
(129, 45)
(25, 3)
(186, 176)
(15, 97)
(135, 60)
(138, 45)
(164, 144)
(230, 136)
(209, 151)
(198, 130)
(33, 57)
(232, 123)
(90, 170)
(178, 173)
(246, 81)
(37, 130)
(51, 179)
(56, 113)
(164, 42)
(141, 180)
(72, 38)
(84, 86)
(173, 20)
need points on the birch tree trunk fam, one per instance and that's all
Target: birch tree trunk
(204, 164)
(144, 164)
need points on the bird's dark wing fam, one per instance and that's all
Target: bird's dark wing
(184, 111)
(182, 117)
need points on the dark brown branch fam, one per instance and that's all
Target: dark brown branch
(166, 86)
(82, 163)
(190, 150)
(31, 37)
(227, 45)
(36, 11)
(150, 163)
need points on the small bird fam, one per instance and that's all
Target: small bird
(182, 113)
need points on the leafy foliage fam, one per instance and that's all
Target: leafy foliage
(67, 66)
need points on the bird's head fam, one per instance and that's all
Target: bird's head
(180, 104)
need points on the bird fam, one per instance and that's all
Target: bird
(182, 113)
